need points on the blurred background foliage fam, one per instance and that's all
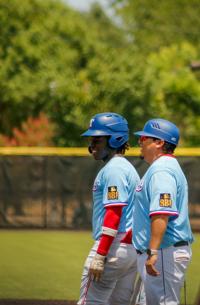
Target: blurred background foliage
(60, 66)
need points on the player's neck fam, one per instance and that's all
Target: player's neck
(156, 157)
(111, 155)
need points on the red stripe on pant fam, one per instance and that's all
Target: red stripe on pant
(86, 290)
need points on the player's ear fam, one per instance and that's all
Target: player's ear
(90, 149)
(159, 143)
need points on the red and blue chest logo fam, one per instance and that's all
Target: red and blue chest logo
(139, 187)
(96, 186)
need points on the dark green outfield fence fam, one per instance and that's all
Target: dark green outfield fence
(51, 188)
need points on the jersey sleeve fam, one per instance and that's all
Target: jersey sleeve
(115, 191)
(162, 191)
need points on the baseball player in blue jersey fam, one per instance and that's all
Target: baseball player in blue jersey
(161, 228)
(111, 266)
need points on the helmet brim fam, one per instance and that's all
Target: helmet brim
(145, 134)
(94, 133)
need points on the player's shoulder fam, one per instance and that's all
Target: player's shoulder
(117, 159)
(165, 165)
(120, 163)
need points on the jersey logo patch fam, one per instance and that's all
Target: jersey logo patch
(165, 200)
(139, 186)
(112, 193)
(95, 185)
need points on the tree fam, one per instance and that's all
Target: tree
(46, 51)
(174, 90)
(33, 132)
(72, 65)
(154, 24)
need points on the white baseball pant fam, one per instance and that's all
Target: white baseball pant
(165, 288)
(117, 282)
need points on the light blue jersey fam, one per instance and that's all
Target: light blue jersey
(162, 190)
(114, 186)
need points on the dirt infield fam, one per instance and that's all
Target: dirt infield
(49, 302)
(35, 302)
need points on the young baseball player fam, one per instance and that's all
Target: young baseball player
(110, 268)
(161, 228)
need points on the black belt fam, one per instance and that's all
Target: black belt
(178, 244)
(139, 252)
(181, 243)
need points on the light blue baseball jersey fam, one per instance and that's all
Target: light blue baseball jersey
(114, 186)
(162, 190)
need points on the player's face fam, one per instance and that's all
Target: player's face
(149, 148)
(98, 147)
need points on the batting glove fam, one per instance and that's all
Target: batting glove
(97, 267)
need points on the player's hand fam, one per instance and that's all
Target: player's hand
(97, 267)
(150, 265)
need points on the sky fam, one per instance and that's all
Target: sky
(85, 4)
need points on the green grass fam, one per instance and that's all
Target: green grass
(193, 273)
(48, 264)
(42, 264)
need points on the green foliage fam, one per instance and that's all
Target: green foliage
(166, 43)
(154, 24)
(29, 47)
(174, 91)
(72, 65)
(46, 50)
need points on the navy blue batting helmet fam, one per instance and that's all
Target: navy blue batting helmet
(109, 124)
(161, 129)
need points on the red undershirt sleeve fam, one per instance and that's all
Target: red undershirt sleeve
(127, 239)
(111, 220)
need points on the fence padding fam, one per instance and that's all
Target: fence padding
(55, 191)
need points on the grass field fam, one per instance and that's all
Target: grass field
(48, 264)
